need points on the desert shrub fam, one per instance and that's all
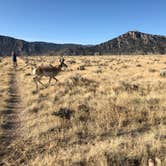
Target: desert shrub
(98, 71)
(138, 65)
(152, 70)
(125, 66)
(163, 73)
(81, 68)
(64, 113)
(87, 62)
(130, 87)
(71, 61)
(33, 108)
(83, 113)
(28, 74)
(78, 80)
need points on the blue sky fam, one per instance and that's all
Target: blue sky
(80, 21)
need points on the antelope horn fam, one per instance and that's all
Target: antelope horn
(62, 59)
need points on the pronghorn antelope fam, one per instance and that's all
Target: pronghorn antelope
(47, 71)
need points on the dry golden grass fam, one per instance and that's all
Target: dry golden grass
(115, 112)
(4, 87)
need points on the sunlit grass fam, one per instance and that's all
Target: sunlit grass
(117, 106)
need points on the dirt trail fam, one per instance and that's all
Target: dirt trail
(11, 125)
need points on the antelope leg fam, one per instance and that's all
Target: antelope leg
(55, 78)
(35, 80)
(38, 79)
(49, 82)
(42, 84)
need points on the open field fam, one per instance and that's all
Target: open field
(103, 111)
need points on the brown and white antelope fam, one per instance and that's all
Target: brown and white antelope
(47, 71)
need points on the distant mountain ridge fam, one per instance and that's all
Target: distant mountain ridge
(132, 42)
(9, 44)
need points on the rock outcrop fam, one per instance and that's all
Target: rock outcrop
(134, 42)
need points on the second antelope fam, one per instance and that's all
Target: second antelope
(47, 71)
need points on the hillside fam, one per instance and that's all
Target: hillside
(132, 42)
(8, 44)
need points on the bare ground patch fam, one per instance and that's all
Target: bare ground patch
(11, 122)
